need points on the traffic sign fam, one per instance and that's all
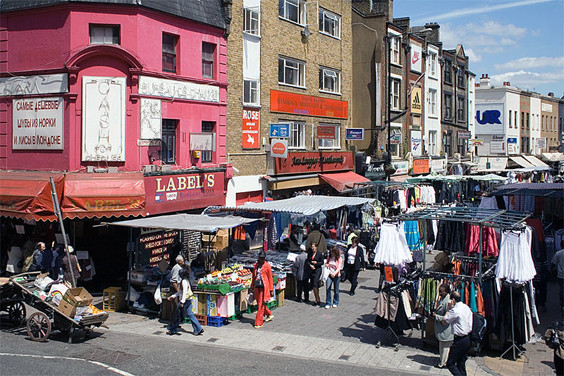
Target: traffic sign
(280, 130)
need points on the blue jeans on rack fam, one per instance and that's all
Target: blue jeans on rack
(332, 282)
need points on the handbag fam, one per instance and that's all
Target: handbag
(325, 273)
(158, 297)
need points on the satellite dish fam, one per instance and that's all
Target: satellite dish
(305, 32)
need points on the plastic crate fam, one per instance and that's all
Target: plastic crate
(202, 319)
(280, 298)
(216, 321)
(272, 305)
(236, 316)
(113, 299)
(252, 308)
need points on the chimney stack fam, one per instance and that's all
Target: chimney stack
(506, 83)
(551, 94)
(485, 81)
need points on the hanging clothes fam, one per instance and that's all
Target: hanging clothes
(489, 241)
(392, 249)
(515, 262)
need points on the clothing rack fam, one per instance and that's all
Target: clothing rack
(513, 346)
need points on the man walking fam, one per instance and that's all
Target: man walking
(460, 319)
(557, 264)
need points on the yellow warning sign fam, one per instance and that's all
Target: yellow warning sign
(416, 100)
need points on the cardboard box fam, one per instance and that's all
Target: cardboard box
(78, 297)
(67, 309)
(243, 302)
(202, 304)
(212, 305)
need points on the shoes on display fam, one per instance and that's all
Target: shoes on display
(269, 318)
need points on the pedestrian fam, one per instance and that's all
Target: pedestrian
(72, 263)
(262, 286)
(557, 264)
(355, 260)
(314, 263)
(459, 317)
(184, 305)
(443, 332)
(301, 275)
(334, 265)
(315, 236)
(175, 274)
(37, 257)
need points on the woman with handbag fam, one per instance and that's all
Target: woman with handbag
(333, 265)
(314, 263)
(184, 305)
(355, 261)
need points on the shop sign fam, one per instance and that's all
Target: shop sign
(153, 247)
(415, 57)
(103, 118)
(280, 130)
(298, 162)
(37, 123)
(546, 107)
(162, 87)
(202, 141)
(279, 149)
(476, 141)
(512, 146)
(438, 165)
(301, 104)
(416, 100)
(325, 132)
(497, 147)
(420, 166)
(497, 164)
(489, 118)
(541, 142)
(32, 85)
(150, 119)
(251, 128)
(416, 143)
(402, 167)
(464, 135)
(395, 137)
(355, 134)
(176, 192)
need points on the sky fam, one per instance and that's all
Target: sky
(520, 41)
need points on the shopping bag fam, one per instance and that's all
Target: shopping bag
(158, 297)
(324, 273)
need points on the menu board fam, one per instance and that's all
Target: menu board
(153, 246)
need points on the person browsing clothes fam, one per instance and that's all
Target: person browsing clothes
(460, 319)
(262, 285)
(443, 331)
(301, 274)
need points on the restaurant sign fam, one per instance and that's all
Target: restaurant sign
(314, 162)
(300, 104)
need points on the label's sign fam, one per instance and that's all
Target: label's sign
(251, 129)
(464, 135)
(415, 57)
(298, 162)
(280, 130)
(416, 147)
(301, 104)
(279, 149)
(161, 87)
(420, 166)
(354, 134)
(38, 123)
(154, 247)
(416, 100)
(326, 132)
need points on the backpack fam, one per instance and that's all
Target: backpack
(478, 328)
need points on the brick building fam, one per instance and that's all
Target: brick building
(289, 64)
(549, 124)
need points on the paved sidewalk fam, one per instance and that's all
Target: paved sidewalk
(345, 334)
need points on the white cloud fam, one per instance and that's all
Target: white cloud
(479, 10)
(489, 36)
(474, 57)
(528, 80)
(533, 62)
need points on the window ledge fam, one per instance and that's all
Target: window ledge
(252, 105)
(297, 148)
(290, 21)
(396, 64)
(257, 36)
(294, 86)
(327, 148)
(329, 35)
(330, 92)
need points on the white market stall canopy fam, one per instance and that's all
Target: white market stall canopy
(535, 161)
(192, 222)
(306, 205)
(553, 157)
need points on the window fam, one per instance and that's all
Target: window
(395, 49)
(334, 143)
(291, 72)
(448, 73)
(208, 50)
(433, 102)
(292, 10)
(509, 119)
(395, 94)
(297, 135)
(460, 109)
(100, 34)
(169, 52)
(433, 63)
(251, 92)
(168, 142)
(207, 155)
(522, 120)
(433, 143)
(448, 106)
(252, 21)
(460, 76)
(329, 80)
(329, 23)
(515, 119)
(528, 119)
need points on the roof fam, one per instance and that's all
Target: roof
(306, 205)
(209, 12)
(192, 222)
(555, 190)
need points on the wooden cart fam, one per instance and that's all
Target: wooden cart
(39, 324)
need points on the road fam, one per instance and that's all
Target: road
(109, 353)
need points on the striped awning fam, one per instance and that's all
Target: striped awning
(306, 205)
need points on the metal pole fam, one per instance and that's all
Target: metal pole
(57, 209)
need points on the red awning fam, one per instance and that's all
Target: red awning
(343, 181)
(27, 195)
(88, 195)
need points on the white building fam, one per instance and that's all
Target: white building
(433, 96)
(497, 118)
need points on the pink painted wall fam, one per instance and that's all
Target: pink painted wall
(41, 41)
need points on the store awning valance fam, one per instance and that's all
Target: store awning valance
(522, 162)
(306, 205)
(27, 195)
(192, 222)
(554, 190)
(553, 157)
(343, 181)
(103, 195)
(535, 161)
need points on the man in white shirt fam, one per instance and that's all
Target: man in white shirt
(558, 264)
(175, 274)
(460, 319)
